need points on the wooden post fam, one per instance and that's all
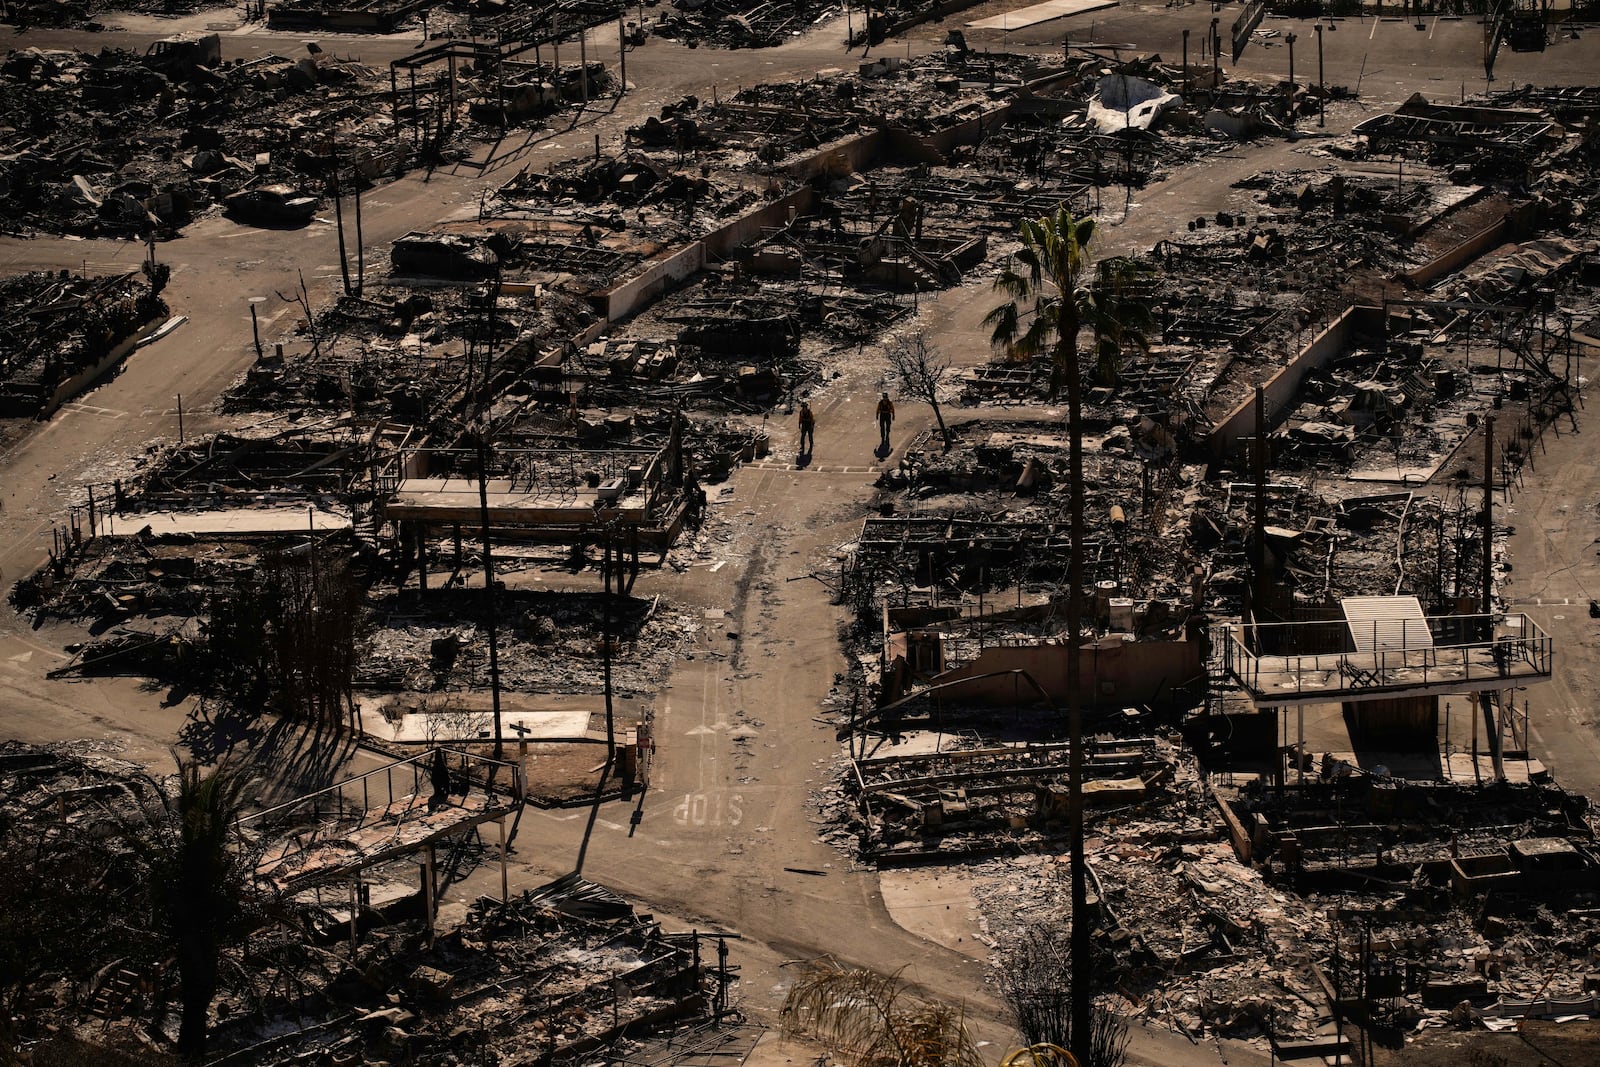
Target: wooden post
(1260, 531)
(338, 216)
(428, 887)
(452, 65)
(505, 888)
(422, 556)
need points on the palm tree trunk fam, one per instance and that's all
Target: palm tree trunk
(197, 981)
(1081, 945)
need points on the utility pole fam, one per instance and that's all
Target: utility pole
(1488, 515)
(338, 215)
(488, 583)
(1260, 510)
(1216, 56)
(605, 648)
(1185, 61)
(483, 521)
(361, 255)
(1289, 106)
(1322, 94)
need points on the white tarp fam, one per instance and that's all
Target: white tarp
(1124, 101)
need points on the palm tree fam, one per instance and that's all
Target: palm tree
(873, 1021)
(197, 888)
(1050, 291)
(1035, 980)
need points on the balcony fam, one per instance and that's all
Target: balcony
(1286, 664)
(333, 834)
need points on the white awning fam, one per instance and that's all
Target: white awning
(1386, 623)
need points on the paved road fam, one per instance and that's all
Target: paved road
(739, 751)
(1555, 515)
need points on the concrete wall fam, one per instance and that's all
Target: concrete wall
(841, 157)
(675, 265)
(92, 373)
(894, 145)
(747, 227)
(624, 298)
(906, 147)
(1283, 387)
(1491, 236)
(1113, 671)
(1508, 227)
(971, 130)
(846, 156)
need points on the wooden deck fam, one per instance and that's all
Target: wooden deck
(331, 853)
(1282, 681)
(331, 834)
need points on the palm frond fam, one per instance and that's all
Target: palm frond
(872, 1021)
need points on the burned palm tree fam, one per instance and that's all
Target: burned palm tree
(1051, 295)
(873, 1020)
(198, 888)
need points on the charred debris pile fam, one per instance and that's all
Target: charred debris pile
(258, 137)
(1384, 333)
(264, 139)
(63, 330)
(162, 565)
(564, 970)
(417, 354)
(1396, 905)
(81, 14)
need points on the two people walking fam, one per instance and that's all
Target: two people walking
(808, 425)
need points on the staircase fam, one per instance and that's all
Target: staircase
(115, 997)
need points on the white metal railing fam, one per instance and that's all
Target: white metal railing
(1262, 657)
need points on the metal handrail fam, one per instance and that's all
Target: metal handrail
(387, 770)
(1531, 645)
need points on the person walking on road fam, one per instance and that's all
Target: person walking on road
(808, 428)
(885, 421)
